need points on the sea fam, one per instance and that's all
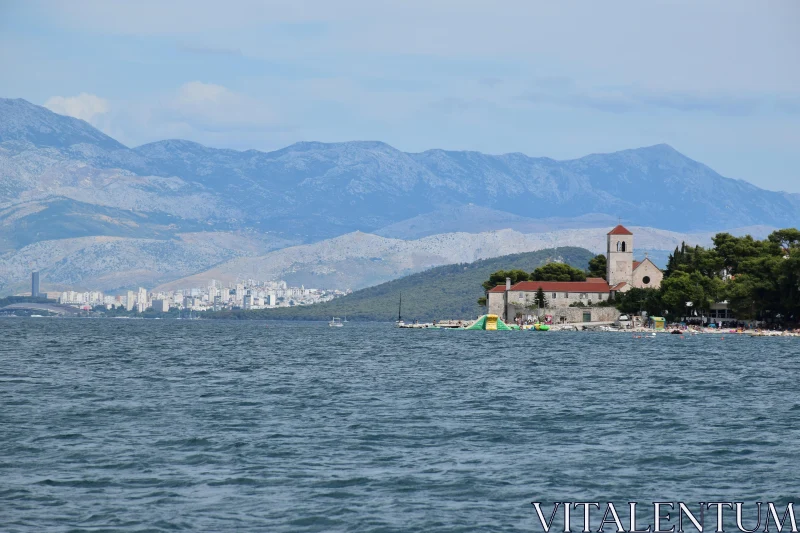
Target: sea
(168, 425)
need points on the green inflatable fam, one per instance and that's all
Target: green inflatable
(491, 322)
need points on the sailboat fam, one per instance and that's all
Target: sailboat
(399, 311)
(336, 323)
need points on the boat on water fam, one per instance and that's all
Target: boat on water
(336, 323)
(400, 323)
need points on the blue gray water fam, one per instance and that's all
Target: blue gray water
(124, 425)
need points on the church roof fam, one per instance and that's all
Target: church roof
(620, 230)
(637, 264)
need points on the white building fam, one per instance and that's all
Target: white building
(141, 300)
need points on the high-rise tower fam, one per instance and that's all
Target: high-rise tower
(35, 284)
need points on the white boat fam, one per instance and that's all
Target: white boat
(336, 323)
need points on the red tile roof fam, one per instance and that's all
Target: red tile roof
(562, 286)
(595, 280)
(619, 285)
(620, 230)
(499, 288)
(636, 264)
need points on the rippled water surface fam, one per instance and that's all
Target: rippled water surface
(133, 425)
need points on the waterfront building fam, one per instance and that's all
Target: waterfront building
(509, 300)
(622, 274)
(250, 295)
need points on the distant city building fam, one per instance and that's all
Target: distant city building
(35, 284)
(141, 300)
(252, 294)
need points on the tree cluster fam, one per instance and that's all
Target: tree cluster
(547, 272)
(760, 279)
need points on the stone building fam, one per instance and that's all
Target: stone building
(622, 273)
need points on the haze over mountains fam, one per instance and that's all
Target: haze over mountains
(89, 212)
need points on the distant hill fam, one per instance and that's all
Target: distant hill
(443, 292)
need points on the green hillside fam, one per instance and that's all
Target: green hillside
(449, 291)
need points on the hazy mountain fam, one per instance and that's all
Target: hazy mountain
(23, 121)
(370, 185)
(317, 190)
(62, 179)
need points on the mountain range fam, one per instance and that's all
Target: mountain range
(88, 211)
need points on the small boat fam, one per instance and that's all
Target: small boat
(400, 323)
(336, 323)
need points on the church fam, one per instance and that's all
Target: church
(622, 274)
(622, 271)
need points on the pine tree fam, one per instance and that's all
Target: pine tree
(540, 299)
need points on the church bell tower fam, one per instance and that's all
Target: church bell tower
(620, 256)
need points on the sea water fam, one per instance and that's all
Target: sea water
(139, 425)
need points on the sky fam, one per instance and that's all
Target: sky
(717, 80)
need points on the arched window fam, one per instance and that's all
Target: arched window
(623, 246)
(618, 245)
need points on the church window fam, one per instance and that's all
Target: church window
(646, 280)
(623, 246)
(619, 244)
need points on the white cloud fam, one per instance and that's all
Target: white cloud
(212, 107)
(85, 106)
(208, 113)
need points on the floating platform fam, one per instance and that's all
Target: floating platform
(493, 323)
